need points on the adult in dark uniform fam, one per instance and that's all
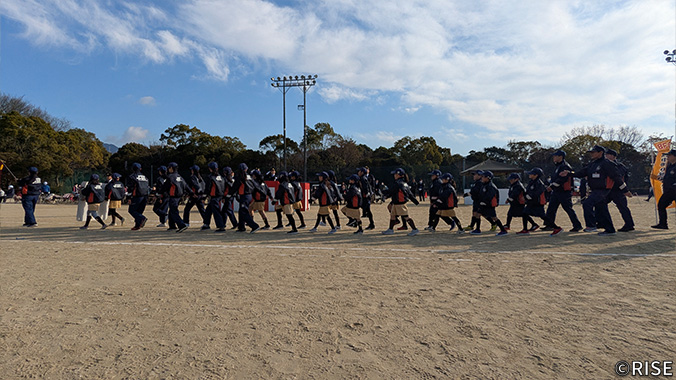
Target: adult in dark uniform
(31, 186)
(617, 196)
(173, 189)
(244, 187)
(601, 176)
(668, 190)
(434, 191)
(161, 205)
(561, 188)
(137, 185)
(215, 186)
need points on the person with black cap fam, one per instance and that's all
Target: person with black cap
(196, 197)
(366, 192)
(401, 193)
(535, 203)
(161, 205)
(561, 188)
(244, 187)
(299, 196)
(446, 201)
(261, 194)
(173, 189)
(115, 192)
(324, 196)
(617, 196)
(489, 199)
(31, 186)
(516, 198)
(137, 185)
(337, 196)
(94, 193)
(601, 176)
(229, 192)
(353, 201)
(434, 190)
(668, 190)
(284, 199)
(214, 188)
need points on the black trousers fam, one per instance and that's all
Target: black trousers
(565, 200)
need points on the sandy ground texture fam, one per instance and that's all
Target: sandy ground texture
(152, 304)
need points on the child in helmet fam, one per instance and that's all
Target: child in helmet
(94, 193)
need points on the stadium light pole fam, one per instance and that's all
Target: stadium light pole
(304, 83)
(671, 58)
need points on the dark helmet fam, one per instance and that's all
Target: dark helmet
(117, 176)
(399, 171)
(487, 174)
(256, 173)
(172, 165)
(559, 153)
(136, 166)
(295, 173)
(536, 171)
(435, 172)
(162, 169)
(331, 173)
(282, 176)
(243, 167)
(447, 176)
(611, 152)
(514, 176)
(94, 177)
(213, 166)
(195, 168)
(33, 170)
(227, 170)
(353, 177)
(325, 175)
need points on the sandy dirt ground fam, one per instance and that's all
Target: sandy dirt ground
(152, 304)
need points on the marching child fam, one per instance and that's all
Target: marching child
(196, 194)
(475, 194)
(260, 194)
(284, 200)
(337, 196)
(446, 200)
(298, 205)
(516, 198)
(215, 186)
(173, 189)
(227, 208)
(353, 203)
(115, 192)
(161, 206)
(323, 195)
(94, 194)
(401, 194)
(535, 202)
(488, 200)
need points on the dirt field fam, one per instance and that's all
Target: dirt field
(151, 304)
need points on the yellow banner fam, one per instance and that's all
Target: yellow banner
(659, 168)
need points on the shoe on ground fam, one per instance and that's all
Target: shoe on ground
(507, 228)
(178, 231)
(187, 224)
(292, 232)
(84, 228)
(523, 232)
(556, 231)
(388, 231)
(312, 230)
(607, 233)
(103, 227)
(337, 227)
(287, 225)
(370, 227)
(322, 224)
(460, 232)
(575, 229)
(220, 230)
(428, 228)
(135, 228)
(358, 232)
(413, 232)
(265, 227)
(626, 229)
(205, 227)
(534, 228)
(255, 230)
(502, 233)
(112, 224)
(278, 227)
(121, 222)
(161, 225)
(547, 228)
(238, 230)
(171, 229)
(660, 227)
(143, 222)
(402, 228)
(475, 232)
(332, 231)
(590, 229)
(302, 226)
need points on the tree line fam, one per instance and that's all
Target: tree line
(67, 155)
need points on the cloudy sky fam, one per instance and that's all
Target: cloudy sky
(469, 73)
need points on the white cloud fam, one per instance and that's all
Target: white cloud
(385, 138)
(332, 94)
(147, 101)
(131, 134)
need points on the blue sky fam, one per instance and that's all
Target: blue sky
(469, 73)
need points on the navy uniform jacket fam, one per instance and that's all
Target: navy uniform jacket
(516, 194)
(261, 192)
(244, 185)
(285, 194)
(196, 185)
(401, 193)
(298, 191)
(624, 174)
(669, 179)
(228, 187)
(353, 197)
(602, 174)
(94, 193)
(175, 186)
(475, 190)
(159, 182)
(365, 187)
(138, 185)
(115, 191)
(323, 195)
(435, 189)
(30, 185)
(214, 185)
(489, 195)
(336, 193)
(559, 183)
(535, 193)
(447, 198)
